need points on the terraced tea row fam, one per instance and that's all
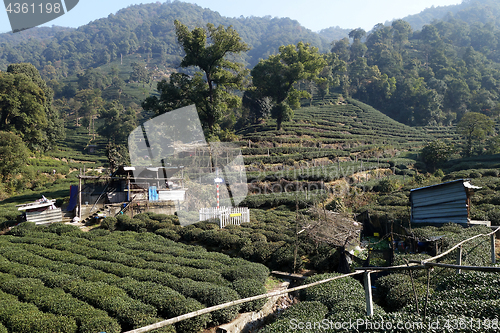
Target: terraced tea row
(118, 281)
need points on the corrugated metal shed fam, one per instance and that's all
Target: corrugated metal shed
(442, 203)
(41, 212)
(46, 217)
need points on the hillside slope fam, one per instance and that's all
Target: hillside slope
(148, 29)
(347, 124)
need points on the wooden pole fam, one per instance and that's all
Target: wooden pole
(466, 268)
(80, 196)
(459, 259)
(414, 291)
(128, 187)
(493, 250)
(427, 294)
(368, 294)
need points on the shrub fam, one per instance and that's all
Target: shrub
(312, 312)
(469, 279)
(258, 237)
(191, 233)
(283, 259)
(23, 229)
(402, 294)
(386, 283)
(475, 174)
(326, 261)
(123, 222)
(260, 251)
(438, 173)
(24, 317)
(211, 295)
(255, 271)
(306, 311)
(334, 293)
(168, 233)
(61, 228)
(386, 186)
(58, 302)
(169, 303)
(109, 223)
(250, 287)
(219, 238)
(490, 173)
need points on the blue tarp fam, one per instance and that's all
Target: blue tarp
(73, 197)
(153, 194)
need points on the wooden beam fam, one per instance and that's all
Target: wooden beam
(125, 178)
(465, 268)
(289, 275)
(390, 268)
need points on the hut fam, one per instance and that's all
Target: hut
(42, 211)
(151, 189)
(443, 203)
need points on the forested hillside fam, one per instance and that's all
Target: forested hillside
(114, 73)
(466, 11)
(149, 30)
(419, 77)
(36, 33)
(432, 76)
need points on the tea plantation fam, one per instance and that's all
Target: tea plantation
(60, 279)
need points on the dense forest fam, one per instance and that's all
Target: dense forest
(431, 76)
(149, 30)
(419, 77)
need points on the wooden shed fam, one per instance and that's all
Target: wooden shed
(443, 203)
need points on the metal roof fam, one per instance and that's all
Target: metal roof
(441, 184)
(441, 203)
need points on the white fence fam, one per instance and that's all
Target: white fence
(226, 215)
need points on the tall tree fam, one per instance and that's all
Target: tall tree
(276, 76)
(206, 50)
(91, 105)
(13, 154)
(118, 124)
(436, 152)
(26, 107)
(259, 107)
(474, 127)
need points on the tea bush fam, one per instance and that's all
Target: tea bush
(250, 287)
(335, 293)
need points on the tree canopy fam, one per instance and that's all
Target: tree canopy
(13, 154)
(276, 77)
(474, 127)
(211, 87)
(26, 107)
(436, 152)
